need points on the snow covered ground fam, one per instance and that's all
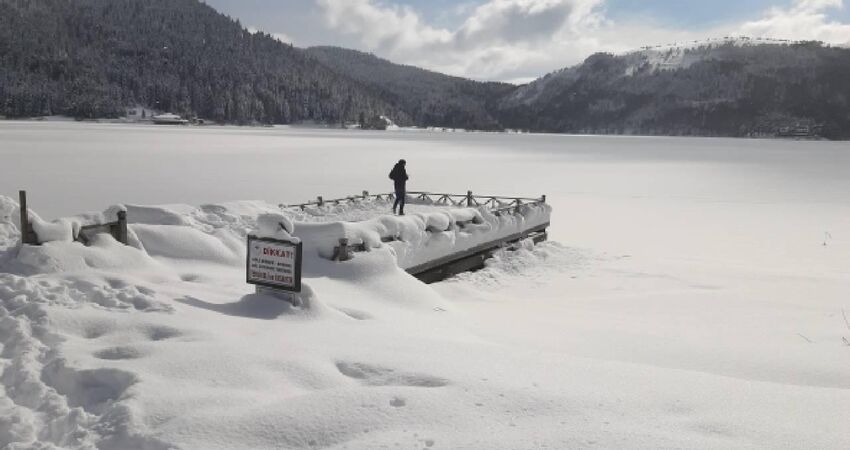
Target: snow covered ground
(692, 297)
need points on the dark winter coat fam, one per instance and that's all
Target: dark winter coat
(399, 175)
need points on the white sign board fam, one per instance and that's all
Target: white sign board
(274, 263)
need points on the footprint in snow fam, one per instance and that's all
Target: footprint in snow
(353, 313)
(119, 353)
(98, 329)
(161, 333)
(382, 376)
(190, 277)
(93, 390)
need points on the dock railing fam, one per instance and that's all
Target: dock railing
(85, 234)
(497, 204)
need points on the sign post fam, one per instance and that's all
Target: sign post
(274, 266)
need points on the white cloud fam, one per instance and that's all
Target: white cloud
(500, 39)
(382, 27)
(804, 20)
(527, 21)
(518, 39)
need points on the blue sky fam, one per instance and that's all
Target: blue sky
(516, 40)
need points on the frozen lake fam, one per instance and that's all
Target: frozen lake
(752, 198)
(694, 297)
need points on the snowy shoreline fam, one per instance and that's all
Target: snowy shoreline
(692, 297)
(162, 345)
(396, 129)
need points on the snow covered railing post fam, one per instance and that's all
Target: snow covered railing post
(117, 230)
(120, 229)
(85, 234)
(342, 253)
(28, 236)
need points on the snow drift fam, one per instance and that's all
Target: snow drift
(161, 344)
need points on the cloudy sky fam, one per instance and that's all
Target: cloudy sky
(516, 40)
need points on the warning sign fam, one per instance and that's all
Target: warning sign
(274, 263)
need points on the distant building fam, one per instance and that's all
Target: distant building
(800, 131)
(169, 119)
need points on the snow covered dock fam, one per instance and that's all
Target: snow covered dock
(442, 235)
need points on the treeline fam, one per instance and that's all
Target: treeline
(725, 90)
(93, 58)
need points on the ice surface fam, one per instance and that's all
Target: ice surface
(692, 297)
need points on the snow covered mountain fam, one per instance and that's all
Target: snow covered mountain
(649, 58)
(726, 88)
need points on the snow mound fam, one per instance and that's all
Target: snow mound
(61, 230)
(234, 217)
(274, 226)
(10, 235)
(103, 253)
(188, 243)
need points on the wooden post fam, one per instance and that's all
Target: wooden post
(469, 198)
(320, 200)
(343, 250)
(26, 233)
(121, 231)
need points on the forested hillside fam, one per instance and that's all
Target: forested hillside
(732, 89)
(93, 58)
(430, 98)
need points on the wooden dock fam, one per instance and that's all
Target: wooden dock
(475, 258)
(461, 261)
(469, 249)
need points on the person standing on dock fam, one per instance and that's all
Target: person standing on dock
(399, 177)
